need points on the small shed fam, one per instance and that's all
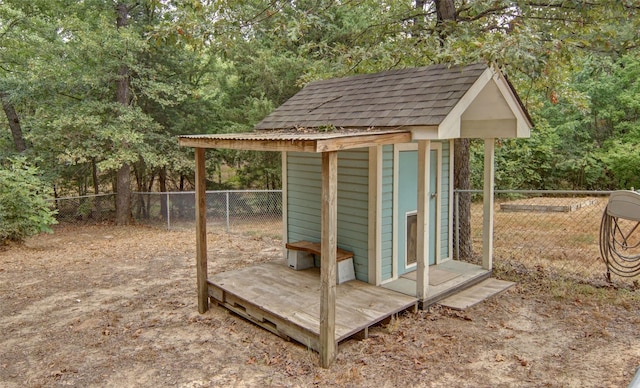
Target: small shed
(367, 164)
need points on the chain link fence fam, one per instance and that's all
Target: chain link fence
(544, 231)
(232, 211)
(85, 208)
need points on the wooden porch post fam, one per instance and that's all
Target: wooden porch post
(424, 192)
(201, 232)
(487, 215)
(329, 221)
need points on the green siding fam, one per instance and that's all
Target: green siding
(303, 196)
(387, 212)
(304, 202)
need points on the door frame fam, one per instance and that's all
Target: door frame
(397, 148)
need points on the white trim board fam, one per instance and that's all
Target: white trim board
(397, 148)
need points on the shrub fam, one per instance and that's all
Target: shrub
(24, 210)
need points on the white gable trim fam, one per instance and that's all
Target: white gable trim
(502, 117)
(449, 128)
(524, 123)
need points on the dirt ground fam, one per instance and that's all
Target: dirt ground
(114, 307)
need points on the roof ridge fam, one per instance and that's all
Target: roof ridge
(408, 70)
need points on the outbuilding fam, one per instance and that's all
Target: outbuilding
(367, 167)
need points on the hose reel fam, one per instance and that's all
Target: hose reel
(620, 234)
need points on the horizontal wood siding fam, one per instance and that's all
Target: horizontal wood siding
(387, 213)
(353, 208)
(304, 202)
(445, 192)
(303, 196)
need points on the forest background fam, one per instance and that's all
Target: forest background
(95, 92)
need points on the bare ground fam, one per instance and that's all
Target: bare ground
(109, 306)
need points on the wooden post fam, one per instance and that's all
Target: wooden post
(487, 215)
(374, 214)
(422, 243)
(201, 232)
(329, 221)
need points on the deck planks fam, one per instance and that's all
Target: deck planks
(467, 276)
(476, 294)
(287, 302)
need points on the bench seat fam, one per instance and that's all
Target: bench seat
(315, 248)
(301, 253)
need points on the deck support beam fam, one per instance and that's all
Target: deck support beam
(424, 193)
(487, 216)
(329, 245)
(201, 232)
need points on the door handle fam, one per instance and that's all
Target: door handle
(433, 195)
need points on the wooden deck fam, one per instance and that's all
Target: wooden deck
(445, 279)
(287, 302)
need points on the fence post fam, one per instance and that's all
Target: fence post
(168, 213)
(456, 201)
(227, 209)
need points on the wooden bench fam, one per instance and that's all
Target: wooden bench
(315, 248)
(344, 269)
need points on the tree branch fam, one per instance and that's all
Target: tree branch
(486, 12)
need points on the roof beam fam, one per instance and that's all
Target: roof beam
(361, 141)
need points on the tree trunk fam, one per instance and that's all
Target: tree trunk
(445, 10)
(149, 189)
(123, 196)
(419, 19)
(97, 203)
(162, 178)
(141, 205)
(462, 181)
(446, 13)
(14, 123)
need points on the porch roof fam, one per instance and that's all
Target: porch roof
(299, 140)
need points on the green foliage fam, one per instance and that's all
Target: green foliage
(214, 67)
(601, 137)
(24, 209)
(623, 160)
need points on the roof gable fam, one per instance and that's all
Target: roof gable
(409, 97)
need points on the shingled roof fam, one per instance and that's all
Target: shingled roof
(421, 96)
(424, 103)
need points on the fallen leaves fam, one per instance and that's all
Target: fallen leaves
(138, 313)
(521, 360)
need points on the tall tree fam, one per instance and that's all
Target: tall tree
(14, 122)
(123, 196)
(446, 16)
(19, 33)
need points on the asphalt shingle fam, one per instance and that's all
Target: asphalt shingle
(415, 96)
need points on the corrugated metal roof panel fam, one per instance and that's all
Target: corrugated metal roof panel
(301, 134)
